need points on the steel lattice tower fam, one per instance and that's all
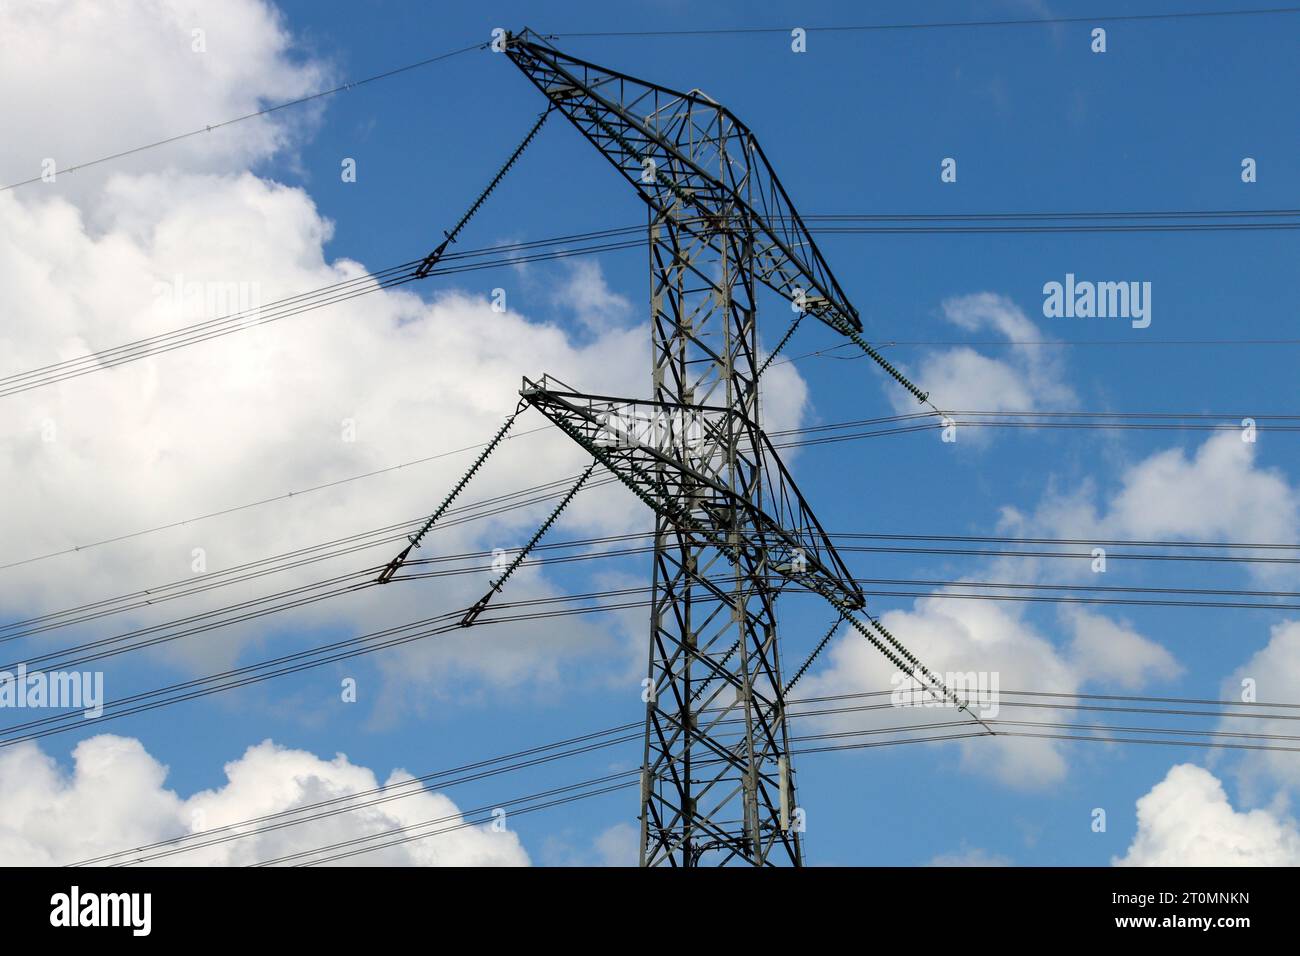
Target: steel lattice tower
(732, 530)
(712, 662)
(717, 784)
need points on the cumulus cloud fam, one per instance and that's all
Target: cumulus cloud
(115, 798)
(951, 635)
(992, 642)
(1187, 820)
(1024, 378)
(1082, 647)
(295, 404)
(108, 256)
(1218, 491)
(617, 845)
(1109, 652)
(86, 79)
(1273, 675)
(593, 302)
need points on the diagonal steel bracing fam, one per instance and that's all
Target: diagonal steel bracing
(676, 147)
(729, 522)
(731, 529)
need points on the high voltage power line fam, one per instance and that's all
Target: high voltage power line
(353, 84)
(466, 773)
(491, 257)
(302, 595)
(439, 625)
(740, 31)
(243, 507)
(1137, 340)
(550, 491)
(459, 826)
(443, 780)
(236, 322)
(754, 759)
(786, 433)
(188, 587)
(585, 784)
(598, 740)
(346, 583)
(1102, 734)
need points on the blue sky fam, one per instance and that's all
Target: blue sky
(858, 124)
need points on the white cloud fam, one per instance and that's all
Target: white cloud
(617, 845)
(959, 636)
(1187, 820)
(956, 636)
(90, 262)
(963, 636)
(114, 799)
(262, 412)
(970, 856)
(1106, 651)
(593, 303)
(1274, 673)
(1024, 378)
(1218, 493)
(84, 80)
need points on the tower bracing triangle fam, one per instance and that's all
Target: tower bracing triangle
(731, 529)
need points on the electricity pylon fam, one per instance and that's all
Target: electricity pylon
(732, 530)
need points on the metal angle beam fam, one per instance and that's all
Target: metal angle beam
(671, 147)
(732, 530)
(665, 453)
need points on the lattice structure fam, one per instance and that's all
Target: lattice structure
(731, 528)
